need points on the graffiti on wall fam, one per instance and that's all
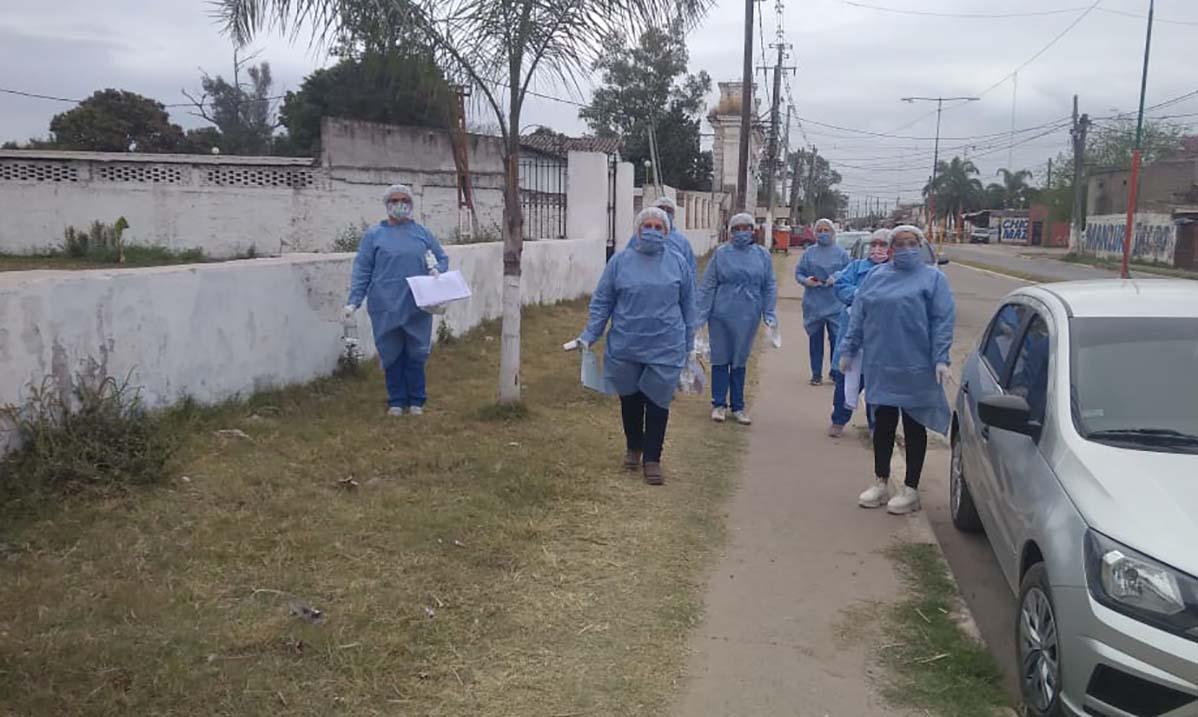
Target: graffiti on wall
(1014, 229)
(1154, 241)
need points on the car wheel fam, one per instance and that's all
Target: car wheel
(960, 500)
(1038, 646)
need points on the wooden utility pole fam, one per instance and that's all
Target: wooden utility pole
(746, 112)
(1078, 220)
(771, 163)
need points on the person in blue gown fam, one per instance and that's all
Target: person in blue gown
(846, 283)
(677, 241)
(814, 271)
(737, 293)
(646, 293)
(391, 251)
(902, 324)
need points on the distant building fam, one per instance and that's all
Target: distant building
(725, 152)
(1165, 185)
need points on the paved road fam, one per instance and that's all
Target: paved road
(1028, 260)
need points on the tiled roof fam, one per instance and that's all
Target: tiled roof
(559, 146)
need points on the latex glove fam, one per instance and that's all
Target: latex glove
(576, 344)
(942, 373)
(349, 311)
(433, 272)
(813, 282)
(845, 363)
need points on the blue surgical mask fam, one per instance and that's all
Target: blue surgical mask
(399, 210)
(742, 238)
(651, 241)
(824, 238)
(907, 258)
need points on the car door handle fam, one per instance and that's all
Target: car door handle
(985, 432)
(965, 388)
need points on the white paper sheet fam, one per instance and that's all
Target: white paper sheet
(592, 375)
(852, 382)
(441, 289)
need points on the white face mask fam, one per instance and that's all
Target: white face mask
(399, 210)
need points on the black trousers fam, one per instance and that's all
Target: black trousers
(644, 425)
(916, 435)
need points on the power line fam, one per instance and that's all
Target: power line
(961, 15)
(1044, 49)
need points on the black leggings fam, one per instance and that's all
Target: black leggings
(887, 418)
(644, 425)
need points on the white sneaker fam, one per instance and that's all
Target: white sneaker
(742, 418)
(719, 414)
(416, 411)
(906, 500)
(395, 411)
(876, 496)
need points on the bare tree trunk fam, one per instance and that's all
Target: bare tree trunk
(513, 249)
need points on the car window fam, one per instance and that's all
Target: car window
(1001, 337)
(929, 256)
(1029, 378)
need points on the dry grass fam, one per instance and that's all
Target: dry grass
(485, 564)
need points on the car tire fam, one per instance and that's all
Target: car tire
(960, 501)
(1038, 646)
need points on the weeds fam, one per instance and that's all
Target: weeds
(936, 666)
(504, 412)
(97, 437)
(348, 238)
(445, 335)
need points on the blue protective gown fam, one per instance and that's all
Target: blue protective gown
(388, 255)
(738, 291)
(820, 302)
(903, 320)
(649, 299)
(679, 243)
(845, 288)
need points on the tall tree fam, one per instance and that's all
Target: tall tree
(1015, 188)
(646, 89)
(816, 186)
(1110, 147)
(956, 189)
(392, 88)
(243, 111)
(116, 121)
(500, 48)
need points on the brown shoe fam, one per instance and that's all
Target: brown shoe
(632, 460)
(653, 475)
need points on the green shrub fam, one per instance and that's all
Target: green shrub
(348, 238)
(100, 437)
(102, 243)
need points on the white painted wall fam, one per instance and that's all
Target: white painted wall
(1155, 238)
(213, 331)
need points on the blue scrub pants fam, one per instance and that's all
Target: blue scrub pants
(405, 381)
(840, 414)
(724, 377)
(815, 340)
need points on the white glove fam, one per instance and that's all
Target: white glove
(772, 323)
(942, 373)
(433, 272)
(430, 261)
(576, 344)
(350, 309)
(845, 363)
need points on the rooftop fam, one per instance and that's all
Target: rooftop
(62, 155)
(559, 145)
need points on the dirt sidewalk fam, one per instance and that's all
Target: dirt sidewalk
(786, 602)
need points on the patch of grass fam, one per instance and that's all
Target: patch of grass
(1116, 265)
(471, 567)
(504, 412)
(136, 255)
(934, 665)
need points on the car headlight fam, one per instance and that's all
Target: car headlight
(1134, 584)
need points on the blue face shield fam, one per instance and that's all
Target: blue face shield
(743, 237)
(907, 258)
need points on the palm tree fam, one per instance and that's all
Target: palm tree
(956, 190)
(498, 48)
(1016, 191)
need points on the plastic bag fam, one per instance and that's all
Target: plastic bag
(693, 379)
(703, 347)
(591, 374)
(774, 334)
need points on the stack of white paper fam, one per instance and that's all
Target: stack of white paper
(440, 289)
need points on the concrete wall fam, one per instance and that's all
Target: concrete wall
(1155, 238)
(1163, 185)
(587, 190)
(213, 331)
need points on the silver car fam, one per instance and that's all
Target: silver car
(1075, 446)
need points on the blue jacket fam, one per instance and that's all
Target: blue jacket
(822, 262)
(738, 292)
(848, 280)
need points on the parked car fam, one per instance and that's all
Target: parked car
(1075, 446)
(850, 239)
(801, 236)
(861, 247)
(979, 235)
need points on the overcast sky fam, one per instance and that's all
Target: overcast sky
(854, 65)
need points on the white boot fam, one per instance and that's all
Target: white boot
(719, 414)
(877, 495)
(415, 411)
(906, 500)
(742, 418)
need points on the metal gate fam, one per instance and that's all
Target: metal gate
(612, 160)
(543, 197)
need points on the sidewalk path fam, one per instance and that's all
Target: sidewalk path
(782, 632)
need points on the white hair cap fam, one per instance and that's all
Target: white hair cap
(666, 203)
(394, 189)
(825, 221)
(651, 213)
(907, 228)
(883, 234)
(742, 218)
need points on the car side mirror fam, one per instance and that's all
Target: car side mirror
(942, 260)
(1008, 412)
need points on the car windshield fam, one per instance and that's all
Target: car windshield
(1130, 382)
(849, 239)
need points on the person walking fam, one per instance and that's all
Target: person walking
(847, 280)
(677, 240)
(820, 305)
(902, 323)
(647, 294)
(391, 251)
(738, 292)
